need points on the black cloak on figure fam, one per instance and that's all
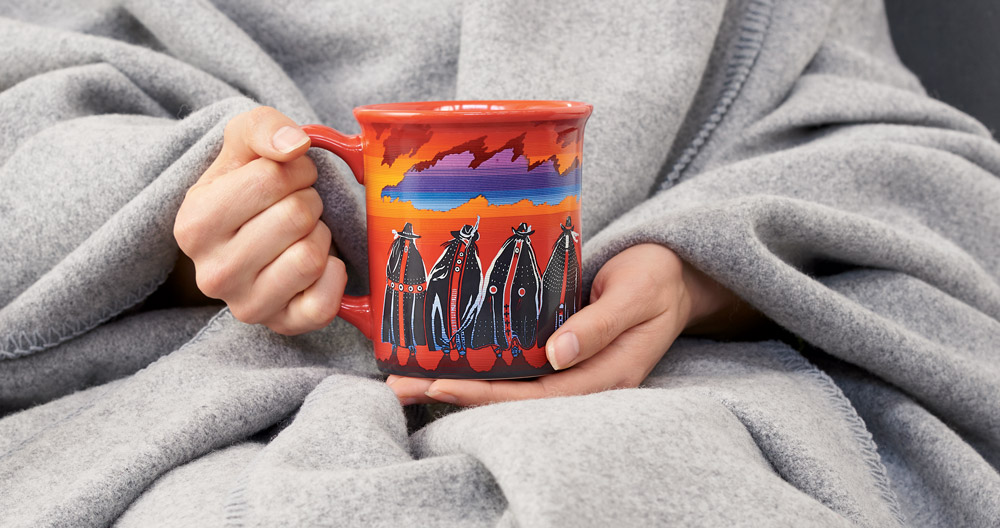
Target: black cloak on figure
(508, 313)
(405, 287)
(452, 291)
(561, 288)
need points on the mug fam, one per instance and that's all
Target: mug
(473, 211)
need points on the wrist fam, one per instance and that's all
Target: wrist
(705, 297)
(713, 308)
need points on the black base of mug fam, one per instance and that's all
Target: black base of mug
(447, 369)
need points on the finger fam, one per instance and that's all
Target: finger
(410, 390)
(625, 301)
(319, 304)
(624, 363)
(213, 211)
(479, 392)
(260, 133)
(258, 185)
(269, 234)
(294, 270)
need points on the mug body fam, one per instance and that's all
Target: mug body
(473, 233)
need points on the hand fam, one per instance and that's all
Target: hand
(641, 300)
(251, 226)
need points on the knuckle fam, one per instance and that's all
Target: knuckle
(299, 217)
(271, 169)
(237, 311)
(246, 312)
(312, 201)
(644, 281)
(281, 328)
(308, 260)
(340, 270)
(607, 326)
(269, 178)
(211, 281)
(260, 115)
(190, 227)
(235, 127)
(185, 233)
(303, 169)
(323, 240)
(191, 235)
(319, 310)
(649, 288)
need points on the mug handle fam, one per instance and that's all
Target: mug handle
(356, 310)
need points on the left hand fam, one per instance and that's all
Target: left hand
(641, 300)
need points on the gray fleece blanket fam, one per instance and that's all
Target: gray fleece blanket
(777, 145)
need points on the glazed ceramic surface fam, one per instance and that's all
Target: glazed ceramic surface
(473, 232)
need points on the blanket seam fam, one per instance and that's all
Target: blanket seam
(21, 344)
(197, 337)
(743, 57)
(856, 426)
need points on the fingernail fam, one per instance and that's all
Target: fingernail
(441, 396)
(288, 138)
(390, 380)
(407, 401)
(563, 351)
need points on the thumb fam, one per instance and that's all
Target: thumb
(260, 133)
(624, 303)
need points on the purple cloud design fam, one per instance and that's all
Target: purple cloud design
(502, 179)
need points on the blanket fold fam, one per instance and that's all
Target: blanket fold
(779, 146)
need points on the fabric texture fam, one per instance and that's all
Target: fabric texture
(777, 145)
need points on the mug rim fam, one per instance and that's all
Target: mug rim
(463, 111)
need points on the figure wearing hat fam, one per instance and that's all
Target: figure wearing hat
(405, 286)
(561, 293)
(452, 292)
(508, 313)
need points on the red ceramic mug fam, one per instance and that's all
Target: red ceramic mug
(473, 232)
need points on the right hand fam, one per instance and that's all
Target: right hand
(251, 226)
